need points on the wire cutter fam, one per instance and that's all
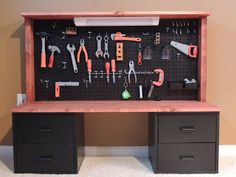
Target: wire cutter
(82, 47)
(132, 71)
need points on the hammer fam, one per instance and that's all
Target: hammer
(43, 36)
(53, 49)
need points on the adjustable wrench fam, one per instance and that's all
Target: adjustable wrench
(99, 52)
(71, 49)
(106, 54)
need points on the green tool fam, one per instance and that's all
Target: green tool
(125, 94)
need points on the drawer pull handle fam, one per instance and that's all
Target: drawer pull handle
(45, 158)
(186, 157)
(44, 129)
(187, 129)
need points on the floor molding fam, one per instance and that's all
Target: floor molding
(138, 151)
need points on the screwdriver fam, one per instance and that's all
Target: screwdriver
(113, 69)
(89, 66)
(140, 55)
(107, 67)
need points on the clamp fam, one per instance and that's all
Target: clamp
(157, 83)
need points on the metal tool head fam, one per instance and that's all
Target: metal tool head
(54, 48)
(82, 42)
(132, 71)
(71, 47)
(131, 65)
(114, 34)
(43, 34)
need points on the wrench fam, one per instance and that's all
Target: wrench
(106, 54)
(71, 49)
(99, 52)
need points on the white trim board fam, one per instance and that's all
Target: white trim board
(141, 151)
(138, 151)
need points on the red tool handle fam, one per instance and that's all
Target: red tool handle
(43, 60)
(85, 54)
(78, 54)
(160, 78)
(113, 65)
(57, 90)
(107, 67)
(89, 65)
(51, 60)
(140, 58)
(193, 51)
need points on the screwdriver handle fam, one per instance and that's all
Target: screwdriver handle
(89, 65)
(113, 65)
(140, 58)
(107, 67)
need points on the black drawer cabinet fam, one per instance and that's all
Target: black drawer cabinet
(184, 142)
(48, 142)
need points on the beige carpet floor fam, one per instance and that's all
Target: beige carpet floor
(115, 167)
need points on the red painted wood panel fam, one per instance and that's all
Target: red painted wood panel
(116, 106)
(202, 63)
(70, 15)
(29, 54)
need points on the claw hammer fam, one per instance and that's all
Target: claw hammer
(43, 36)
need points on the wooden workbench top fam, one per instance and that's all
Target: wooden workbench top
(116, 106)
(71, 15)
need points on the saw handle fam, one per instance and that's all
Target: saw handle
(193, 51)
(51, 60)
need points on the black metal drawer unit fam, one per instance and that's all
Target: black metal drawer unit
(48, 142)
(184, 142)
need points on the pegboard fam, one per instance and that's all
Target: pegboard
(177, 68)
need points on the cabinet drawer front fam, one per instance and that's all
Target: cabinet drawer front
(43, 128)
(186, 158)
(45, 158)
(194, 127)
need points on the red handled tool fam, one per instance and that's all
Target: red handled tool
(43, 36)
(121, 37)
(189, 50)
(82, 48)
(157, 83)
(113, 69)
(53, 49)
(89, 66)
(107, 67)
(140, 57)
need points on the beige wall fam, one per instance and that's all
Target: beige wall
(131, 129)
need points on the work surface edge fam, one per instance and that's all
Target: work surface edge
(115, 106)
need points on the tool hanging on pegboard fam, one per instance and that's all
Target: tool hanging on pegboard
(125, 53)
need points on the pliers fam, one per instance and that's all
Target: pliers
(131, 70)
(82, 47)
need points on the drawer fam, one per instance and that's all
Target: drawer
(187, 158)
(43, 128)
(45, 158)
(188, 127)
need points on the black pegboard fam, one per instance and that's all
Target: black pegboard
(177, 68)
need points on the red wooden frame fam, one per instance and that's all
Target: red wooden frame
(29, 39)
